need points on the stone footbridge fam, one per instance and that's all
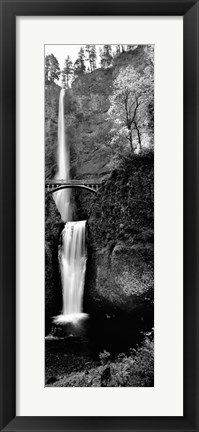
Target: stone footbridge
(90, 185)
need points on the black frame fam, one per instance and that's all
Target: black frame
(8, 12)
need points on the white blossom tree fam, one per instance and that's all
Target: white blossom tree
(129, 105)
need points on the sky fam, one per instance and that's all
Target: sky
(61, 52)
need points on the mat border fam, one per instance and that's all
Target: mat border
(9, 10)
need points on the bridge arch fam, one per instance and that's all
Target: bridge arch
(55, 189)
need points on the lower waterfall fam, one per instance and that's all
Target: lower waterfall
(72, 258)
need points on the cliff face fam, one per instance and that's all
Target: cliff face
(120, 267)
(122, 281)
(89, 128)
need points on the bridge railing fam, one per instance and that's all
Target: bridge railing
(73, 182)
(54, 185)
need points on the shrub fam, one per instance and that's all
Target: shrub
(132, 369)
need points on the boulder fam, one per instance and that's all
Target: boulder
(121, 279)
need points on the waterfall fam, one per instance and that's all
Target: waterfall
(72, 252)
(62, 197)
(72, 258)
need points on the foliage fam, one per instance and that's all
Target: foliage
(120, 48)
(88, 53)
(131, 47)
(67, 71)
(51, 126)
(79, 65)
(132, 369)
(91, 56)
(104, 357)
(52, 69)
(106, 56)
(149, 53)
(124, 207)
(129, 105)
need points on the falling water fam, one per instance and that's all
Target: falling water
(72, 257)
(62, 197)
(72, 252)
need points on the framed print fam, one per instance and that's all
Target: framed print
(99, 215)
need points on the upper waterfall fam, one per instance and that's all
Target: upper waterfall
(62, 197)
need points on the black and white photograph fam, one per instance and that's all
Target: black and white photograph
(99, 215)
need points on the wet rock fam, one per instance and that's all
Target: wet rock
(122, 279)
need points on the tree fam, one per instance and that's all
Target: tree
(131, 47)
(118, 49)
(91, 56)
(79, 65)
(88, 51)
(129, 103)
(77, 68)
(52, 69)
(67, 71)
(106, 56)
(149, 54)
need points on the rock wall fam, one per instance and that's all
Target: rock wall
(121, 253)
(122, 280)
